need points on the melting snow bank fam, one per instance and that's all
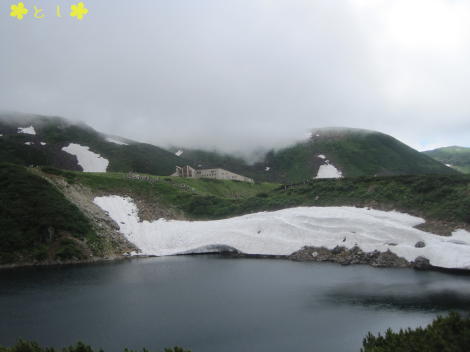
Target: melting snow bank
(27, 130)
(328, 171)
(89, 161)
(283, 232)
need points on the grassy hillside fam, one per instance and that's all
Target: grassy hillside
(457, 157)
(57, 133)
(37, 223)
(443, 198)
(173, 193)
(354, 152)
(436, 197)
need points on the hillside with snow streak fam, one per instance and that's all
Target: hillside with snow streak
(286, 231)
(88, 160)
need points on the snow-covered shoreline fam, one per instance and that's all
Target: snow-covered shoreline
(286, 231)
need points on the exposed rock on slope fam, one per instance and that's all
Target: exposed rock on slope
(106, 228)
(345, 256)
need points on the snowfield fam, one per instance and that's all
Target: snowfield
(328, 171)
(27, 130)
(89, 161)
(115, 141)
(286, 231)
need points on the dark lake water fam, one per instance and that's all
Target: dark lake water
(209, 304)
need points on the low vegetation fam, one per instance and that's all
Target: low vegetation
(439, 197)
(25, 346)
(450, 334)
(445, 198)
(37, 223)
(174, 193)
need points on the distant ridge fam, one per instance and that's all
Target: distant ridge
(455, 157)
(53, 134)
(353, 152)
(329, 152)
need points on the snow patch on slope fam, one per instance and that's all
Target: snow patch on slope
(328, 171)
(89, 161)
(115, 141)
(27, 130)
(286, 231)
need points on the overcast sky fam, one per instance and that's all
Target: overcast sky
(239, 74)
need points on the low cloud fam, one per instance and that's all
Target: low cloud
(245, 74)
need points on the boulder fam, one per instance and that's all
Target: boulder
(420, 244)
(421, 263)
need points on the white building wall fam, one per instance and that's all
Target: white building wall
(219, 174)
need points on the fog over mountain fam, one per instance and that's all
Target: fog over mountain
(245, 74)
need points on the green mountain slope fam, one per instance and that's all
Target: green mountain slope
(37, 223)
(56, 133)
(456, 157)
(353, 152)
(360, 152)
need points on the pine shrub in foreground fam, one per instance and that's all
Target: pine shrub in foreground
(445, 334)
(26, 346)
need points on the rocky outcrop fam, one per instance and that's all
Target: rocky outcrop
(421, 263)
(114, 242)
(345, 256)
(420, 244)
(356, 255)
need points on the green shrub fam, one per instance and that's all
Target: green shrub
(69, 250)
(26, 346)
(35, 217)
(445, 334)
